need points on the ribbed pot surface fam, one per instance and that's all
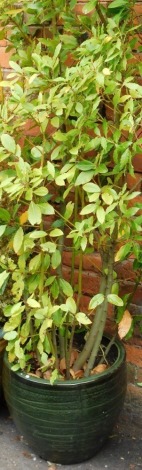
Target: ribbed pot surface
(69, 421)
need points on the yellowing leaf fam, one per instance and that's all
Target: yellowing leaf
(107, 39)
(23, 218)
(106, 71)
(125, 324)
(123, 252)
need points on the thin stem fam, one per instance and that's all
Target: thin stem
(55, 346)
(75, 218)
(108, 349)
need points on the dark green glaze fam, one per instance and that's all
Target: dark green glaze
(2, 345)
(1, 361)
(69, 421)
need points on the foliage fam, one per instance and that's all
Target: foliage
(63, 177)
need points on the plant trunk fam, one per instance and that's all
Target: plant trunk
(92, 344)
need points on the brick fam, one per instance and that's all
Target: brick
(133, 406)
(131, 373)
(90, 262)
(137, 162)
(132, 181)
(4, 57)
(127, 288)
(134, 354)
(139, 375)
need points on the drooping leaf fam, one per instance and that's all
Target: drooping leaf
(125, 324)
(100, 214)
(3, 276)
(34, 213)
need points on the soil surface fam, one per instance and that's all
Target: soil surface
(123, 450)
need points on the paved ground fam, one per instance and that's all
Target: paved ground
(123, 450)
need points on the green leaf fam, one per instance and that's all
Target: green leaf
(48, 247)
(118, 3)
(55, 121)
(37, 234)
(88, 7)
(95, 301)
(10, 335)
(123, 252)
(79, 108)
(56, 259)
(33, 303)
(69, 210)
(51, 169)
(107, 198)
(36, 152)
(55, 289)
(91, 188)
(83, 243)
(54, 376)
(8, 143)
(83, 319)
(59, 136)
(55, 153)
(34, 214)
(100, 214)
(57, 232)
(115, 300)
(35, 263)
(88, 209)
(66, 287)
(84, 177)
(46, 208)
(42, 191)
(3, 276)
(2, 229)
(4, 215)
(18, 240)
(71, 305)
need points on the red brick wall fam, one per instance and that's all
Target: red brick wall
(125, 270)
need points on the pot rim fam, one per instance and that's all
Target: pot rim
(23, 376)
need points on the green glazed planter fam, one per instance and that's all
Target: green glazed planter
(2, 347)
(67, 422)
